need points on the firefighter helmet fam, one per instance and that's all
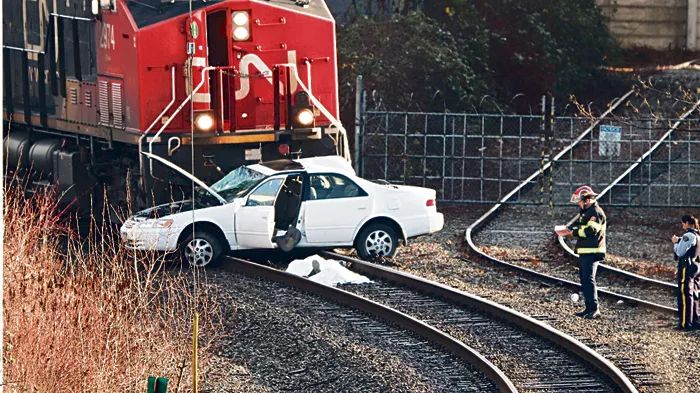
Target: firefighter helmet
(583, 193)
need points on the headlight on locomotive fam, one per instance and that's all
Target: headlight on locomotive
(304, 118)
(241, 25)
(303, 113)
(204, 121)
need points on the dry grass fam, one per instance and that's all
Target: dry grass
(84, 314)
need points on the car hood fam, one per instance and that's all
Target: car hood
(164, 210)
(184, 173)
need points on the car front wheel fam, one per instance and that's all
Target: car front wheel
(201, 249)
(377, 241)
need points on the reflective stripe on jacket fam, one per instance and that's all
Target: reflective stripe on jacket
(589, 230)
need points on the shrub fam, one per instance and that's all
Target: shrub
(468, 49)
(411, 60)
(82, 314)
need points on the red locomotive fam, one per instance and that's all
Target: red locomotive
(90, 84)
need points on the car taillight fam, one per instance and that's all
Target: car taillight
(430, 202)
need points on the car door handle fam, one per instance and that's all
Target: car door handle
(361, 208)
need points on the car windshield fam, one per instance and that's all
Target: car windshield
(237, 183)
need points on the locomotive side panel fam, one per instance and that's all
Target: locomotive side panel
(162, 46)
(117, 62)
(45, 47)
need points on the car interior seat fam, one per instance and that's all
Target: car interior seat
(320, 187)
(288, 203)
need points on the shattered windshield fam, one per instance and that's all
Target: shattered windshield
(237, 183)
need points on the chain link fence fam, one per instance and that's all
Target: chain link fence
(479, 158)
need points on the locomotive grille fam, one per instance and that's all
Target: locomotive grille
(117, 105)
(74, 95)
(88, 99)
(104, 102)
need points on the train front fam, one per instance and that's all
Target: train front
(238, 81)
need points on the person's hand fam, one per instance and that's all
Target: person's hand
(564, 232)
(674, 239)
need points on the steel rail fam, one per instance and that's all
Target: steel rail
(492, 213)
(635, 165)
(434, 289)
(433, 335)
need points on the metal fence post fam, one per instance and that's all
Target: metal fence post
(550, 154)
(543, 133)
(359, 121)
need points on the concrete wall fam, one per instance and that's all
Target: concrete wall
(652, 23)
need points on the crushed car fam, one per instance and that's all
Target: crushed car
(314, 202)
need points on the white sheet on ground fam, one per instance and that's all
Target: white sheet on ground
(327, 271)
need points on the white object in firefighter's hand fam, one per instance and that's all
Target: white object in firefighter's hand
(574, 297)
(562, 230)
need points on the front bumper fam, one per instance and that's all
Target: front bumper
(149, 239)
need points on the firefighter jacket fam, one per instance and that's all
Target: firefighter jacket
(688, 247)
(589, 230)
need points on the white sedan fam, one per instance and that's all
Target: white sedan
(311, 202)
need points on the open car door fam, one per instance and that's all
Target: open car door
(255, 220)
(270, 209)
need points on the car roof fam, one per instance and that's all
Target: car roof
(310, 165)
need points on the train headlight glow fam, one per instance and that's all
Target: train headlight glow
(241, 33)
(241, 25)
(240, 18)
(204, 121)
(305, 117)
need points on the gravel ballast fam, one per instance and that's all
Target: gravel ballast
(628, 334)
(280, 339)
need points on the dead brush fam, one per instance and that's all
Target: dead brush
(86, 314)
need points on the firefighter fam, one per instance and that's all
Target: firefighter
(589, 230)
(686, 251)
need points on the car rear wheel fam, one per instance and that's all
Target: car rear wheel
(201, 249)
(376, 241)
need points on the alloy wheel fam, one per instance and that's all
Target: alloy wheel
(199, 252)
(379, 243)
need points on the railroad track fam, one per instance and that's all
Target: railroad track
(615, 183)
(525, 228)
(459, 367)
(534, 356)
